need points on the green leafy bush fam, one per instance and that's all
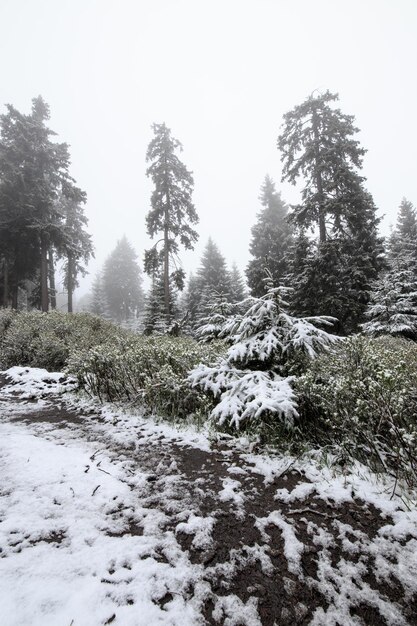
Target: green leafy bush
(147, 371)
(362, 398)
(46, 340)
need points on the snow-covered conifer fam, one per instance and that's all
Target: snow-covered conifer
(393, 306)
(253, 381)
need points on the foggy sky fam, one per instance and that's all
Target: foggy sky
(220, 74)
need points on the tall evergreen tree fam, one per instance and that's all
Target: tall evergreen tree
(33, 174)
(122, 282)
(271, 238)
(172, 212)
(404, 237)
(76, 246)
(317, 145)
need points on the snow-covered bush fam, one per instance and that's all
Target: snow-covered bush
(362, 399)
(6, 318)
(150, 372)
(254, 381)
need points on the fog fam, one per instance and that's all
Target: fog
(220, 74)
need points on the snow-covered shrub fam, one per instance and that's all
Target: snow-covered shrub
(362, 399)
(150, 372)
(254, 381)
(6, 318)
(46, 340)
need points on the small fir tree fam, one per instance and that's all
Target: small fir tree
(155, 319)
(238, 292)
(253, 382)
(393, 306)
(213, 274)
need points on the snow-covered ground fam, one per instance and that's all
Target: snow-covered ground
(106, 517)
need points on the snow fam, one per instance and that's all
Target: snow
(34, 382)
(49, 495)
(293, 548)
(200, 527)
(86, 534)
(231, 493)
(66, 508)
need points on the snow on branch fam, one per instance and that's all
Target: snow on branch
(245, 394)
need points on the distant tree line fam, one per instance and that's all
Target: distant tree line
(327, 249)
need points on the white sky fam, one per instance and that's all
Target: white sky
(220, 74)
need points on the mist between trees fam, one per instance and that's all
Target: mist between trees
(326, 251)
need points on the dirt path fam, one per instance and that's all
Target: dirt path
(258, 546)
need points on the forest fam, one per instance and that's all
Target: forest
(230, 446)
(324, 297)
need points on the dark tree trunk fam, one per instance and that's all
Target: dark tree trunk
(15, 291)
(70, 282)
(51, 274)
(166, 255)
(319, 182)
(44, 274)
(166, 270)
(5, 283)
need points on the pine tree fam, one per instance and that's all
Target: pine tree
(33, 174)
(271, 238)
(172, 212)
(215, 312)
(155, 319)
(253, 381)
(213, 275)
(238, 291)
(404, 237)
(122, 282)
(76, 246)
(317, 144)
(393, 306)
(98, 304)
(190, 303)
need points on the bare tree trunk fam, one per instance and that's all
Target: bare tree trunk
(15, 292)
(51, 275)
(44, 275)
(5, 283)
(319, 182)
(166, 270)
(166, 255)
(70, 284)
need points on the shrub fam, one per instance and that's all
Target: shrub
(147, 371)
(46, 340)
(362, 398)
(6, 318)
